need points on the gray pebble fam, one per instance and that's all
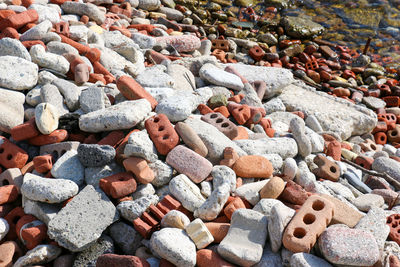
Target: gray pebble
(93, 155)
(69, 167)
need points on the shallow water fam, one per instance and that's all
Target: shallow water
(353, 22)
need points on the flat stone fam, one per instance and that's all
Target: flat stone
(373, 102)
(214, 140)
(334, 114)
(217, 76)
(17, 73)
(368, 201)
(43, 211)
(93, 155)
(175, 246)
(48, 190)
(348, 246)
(69, 167)
(77, 225)
(121, 116)
(297, 27)
(283, 146)
(276, 79)
(244, 243)
(13, 47)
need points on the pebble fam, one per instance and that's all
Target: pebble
(89, 256)
(48, 60)
(280, 217)
(253, 167)
(175, 219)
(368, 201)
(69, 167)
(17, 73)
(220, 77)
(346, 246)
(39, 255)
(14, 48)
(46, 118)
(48, 190)
(131, 210)
(186, 192)
(307, 260)
(175, 246)
(4, 228)
(11, 108)
(140, 145)
(243, 245)
(125, 237)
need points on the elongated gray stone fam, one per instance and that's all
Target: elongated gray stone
(244, 243)
(283, 146)
(88, 9)
(13, 47)
(70, 91)
(334, 114)
(388, 165)
(126, 237)
(39, 255)
(121, 116)
(217, 76)
(77, 225)
(140, 145)
(48, 190)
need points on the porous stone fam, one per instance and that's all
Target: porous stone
(162, 172)
(41, 210)
(4, 227)
(92, 99)
(50, 94)
(13, 47)
(69, 167)
(244, 243)
(250, 191)
(175, 246)
(334, 114)
(388, 165)
(124, 115)
(17, 73)
(48, 190)
(186, 192)
(38, 32)
(375, 222)
(368, 201)
(77, 226)
(88, 9)
(131, 210)
(269, 258)
(223, 175)
(212, 207)
(88, 257)
(93, 155)
(175, 219)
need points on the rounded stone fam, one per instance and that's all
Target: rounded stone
(175, 246)
(273, 188)
(17, 73)
(175, 219)
(4, 227)
(46, 118)
(253, 167)
(93, 155)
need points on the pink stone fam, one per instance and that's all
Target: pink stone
(182, 43)
(188, 162)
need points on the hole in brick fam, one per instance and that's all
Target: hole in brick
(213, 116)
(393, 133)
(398, 231)
(299, 232)
(1, 150)
(224, 125)
(165, 137)
(373, 147)
(222, 44)
(219, 120)
(397, 217)
(16, 219)
(156, 119)
(389, 220)
(309, 218)
(240, 109)
(5, 182)
(382, 138)
(63, 152)
(332, 169)
(318, 205)
(9, 157)
(161, 128)
(362, 165)
(395, 224)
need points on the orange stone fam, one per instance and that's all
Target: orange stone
(253, 167)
